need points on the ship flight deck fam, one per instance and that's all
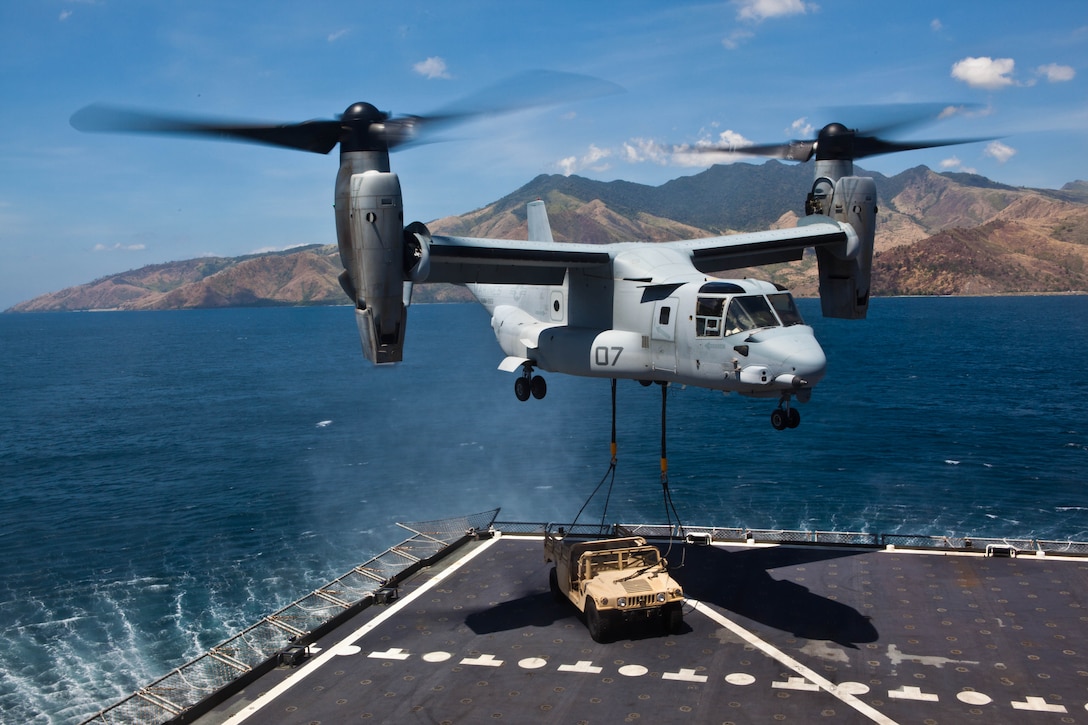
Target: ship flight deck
(772, 633)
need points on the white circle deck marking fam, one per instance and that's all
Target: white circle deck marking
(739, 678)
(436, 656)
(633, 670)
(532, 663)
(854, 688)
(974, 698)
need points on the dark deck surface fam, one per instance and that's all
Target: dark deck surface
(771, 634)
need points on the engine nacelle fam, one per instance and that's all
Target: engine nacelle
(370, 234)
(845, 273)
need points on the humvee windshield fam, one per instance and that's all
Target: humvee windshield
(620, 559)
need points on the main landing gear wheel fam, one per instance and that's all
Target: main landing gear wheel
(782, 418)
(529, 384)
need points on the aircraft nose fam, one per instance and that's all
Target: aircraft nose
(807, 361)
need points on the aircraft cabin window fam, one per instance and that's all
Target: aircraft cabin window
(787, 311)
(708, 316)
(663, 316)
(749, 313)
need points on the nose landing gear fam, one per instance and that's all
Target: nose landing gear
(784, 416)
(529, 384)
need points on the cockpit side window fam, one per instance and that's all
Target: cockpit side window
(708, 316)
(787, 311)
(749, 313)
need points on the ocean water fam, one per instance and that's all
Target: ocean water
(170, 477)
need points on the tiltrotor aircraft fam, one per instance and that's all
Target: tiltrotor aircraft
(646, 312)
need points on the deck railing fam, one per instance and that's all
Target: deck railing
(259, 647)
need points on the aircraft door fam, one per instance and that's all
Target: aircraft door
(663, 334)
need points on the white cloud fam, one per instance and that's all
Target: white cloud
(64, 15)
(801, 127)
(999, 152)
(638, 150)
(120, 247)
(590, 160)
(335, 36)
(1056, 73)
(760, 10)
(984, 72)
(734, 39)
(704, 152)
(953, 163)
(433, 67)
(935, 25)
(756, 11)
(710, 151)
(729, 138)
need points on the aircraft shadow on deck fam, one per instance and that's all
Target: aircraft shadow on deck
(736, 581)
(740, 583)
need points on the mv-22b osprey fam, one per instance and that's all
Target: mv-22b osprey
(639, 311)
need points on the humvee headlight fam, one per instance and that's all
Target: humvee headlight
(661, 596)
(621, 602)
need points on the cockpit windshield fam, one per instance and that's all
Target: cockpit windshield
(748, 313)
(713, 318)
(786, 308)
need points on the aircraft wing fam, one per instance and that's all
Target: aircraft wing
(462, 260)
(754, 249)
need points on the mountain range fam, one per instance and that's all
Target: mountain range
(937, 234)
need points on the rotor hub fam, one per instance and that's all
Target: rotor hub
(835, 143)
(362, 128)
(363, 113)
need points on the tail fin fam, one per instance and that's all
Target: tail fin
(540, 230)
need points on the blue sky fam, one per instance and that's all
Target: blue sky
(74, 207)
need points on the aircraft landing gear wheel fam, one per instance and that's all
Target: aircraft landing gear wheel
(521, 389)
(784, 416)
(538, 386)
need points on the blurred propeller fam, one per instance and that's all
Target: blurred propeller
(362, 127)
(837, 142)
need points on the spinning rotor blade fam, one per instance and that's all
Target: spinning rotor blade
(362, 127)
(531, 89)
(836, 141)
(316, 136)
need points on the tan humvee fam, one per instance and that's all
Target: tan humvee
(613, 582)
